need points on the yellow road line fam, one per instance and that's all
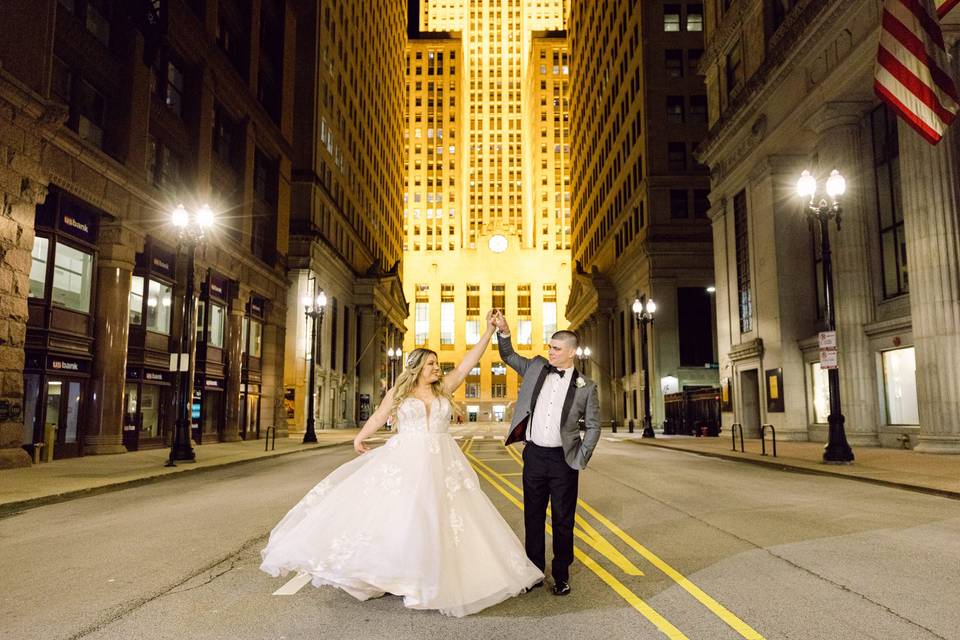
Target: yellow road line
(682, 581)
(621, 589)
(591, 537)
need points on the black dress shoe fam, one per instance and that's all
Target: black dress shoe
(535, 585)
(561, 588)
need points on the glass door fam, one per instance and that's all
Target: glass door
(62, 416)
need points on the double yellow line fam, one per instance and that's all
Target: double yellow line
(591, 537)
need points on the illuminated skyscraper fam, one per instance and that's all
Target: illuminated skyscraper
(487, 195)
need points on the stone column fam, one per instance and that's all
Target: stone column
(369, 374)
(111, 329)
(234, 353)
(272, 410)
(840, 147)
(931, 203)
(602, 358)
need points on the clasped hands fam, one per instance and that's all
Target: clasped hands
(496, 320)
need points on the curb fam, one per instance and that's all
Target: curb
(797, 468)
(13, 508)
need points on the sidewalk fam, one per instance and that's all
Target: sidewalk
(901, 468)
(77, 477)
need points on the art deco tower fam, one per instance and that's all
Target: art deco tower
(487, 198)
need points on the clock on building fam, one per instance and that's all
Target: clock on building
(498, 243)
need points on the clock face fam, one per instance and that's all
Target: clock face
(498, 244)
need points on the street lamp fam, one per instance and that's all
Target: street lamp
(643, 312)
(393, 357)
(837, 451)
(191, 227)
(313, 307)
(583, 355)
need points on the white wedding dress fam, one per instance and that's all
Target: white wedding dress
(408, 518)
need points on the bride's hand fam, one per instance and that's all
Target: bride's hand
(359, 447)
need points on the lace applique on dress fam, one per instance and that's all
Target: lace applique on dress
(388, 479)
(456, 525)
(345, 547)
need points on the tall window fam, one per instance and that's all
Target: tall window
(695, 326)
(524, 322)
(741, 234)
(671, 17)
(38, 267)
(694, 17)
(421, 329)
(886, 163)
(216, 325)
(136, 300)
(900, 380)
(159, 307)
(498, 380)
(72, 277)
(473, 314)
(549, 311)
(447, 314)
(734, 68)
(673, 63)
(499, 296)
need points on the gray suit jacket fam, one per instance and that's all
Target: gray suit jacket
(581, 403)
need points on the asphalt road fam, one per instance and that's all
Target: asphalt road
(670, 545)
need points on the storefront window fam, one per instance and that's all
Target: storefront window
(72, 275)
(31, 391)
(201, 314)
(821, 393)
(38, 267)
(256, 333)
(159, 298)
(136, 300)
(900, 382)
(217, 320)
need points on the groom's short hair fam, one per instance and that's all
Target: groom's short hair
(567, 336)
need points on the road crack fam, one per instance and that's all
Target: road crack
(217, 569)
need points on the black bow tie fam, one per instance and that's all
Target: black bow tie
(553, 369)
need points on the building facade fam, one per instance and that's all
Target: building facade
(486, 208)
(346, 225)
(110, 117)
(639, 200)
(790, 87)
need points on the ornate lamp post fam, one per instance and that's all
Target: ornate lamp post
(583, 356)
(643, 312)
(393, 357)
(313, 308)
(191, 227)
(837, 451)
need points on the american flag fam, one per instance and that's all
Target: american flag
(913, 70)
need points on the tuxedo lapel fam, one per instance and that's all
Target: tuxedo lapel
(519, 433)
(568, 401)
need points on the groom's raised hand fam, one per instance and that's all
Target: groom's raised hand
(502, 325)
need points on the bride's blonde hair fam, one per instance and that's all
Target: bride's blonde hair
(407, 380)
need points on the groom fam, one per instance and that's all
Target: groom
(552, 401)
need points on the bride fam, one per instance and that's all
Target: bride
(408, 518)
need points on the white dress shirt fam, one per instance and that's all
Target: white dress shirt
(544, 428)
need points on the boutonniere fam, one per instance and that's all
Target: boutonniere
(581, 383)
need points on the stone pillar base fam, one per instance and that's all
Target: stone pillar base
(283, 432)
(100, 445)
(795, 435)
(938, 444)
(233, 436)
(14, 458)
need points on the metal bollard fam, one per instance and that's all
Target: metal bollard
(37, 449)
(613, 425)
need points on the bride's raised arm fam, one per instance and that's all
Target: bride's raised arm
(374, 422)
(456, 377)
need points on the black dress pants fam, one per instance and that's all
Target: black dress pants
(547, 476)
